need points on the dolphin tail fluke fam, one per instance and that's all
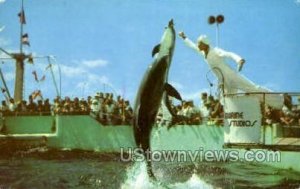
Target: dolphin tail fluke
(149, 171)
(171, 91)
(155, 50)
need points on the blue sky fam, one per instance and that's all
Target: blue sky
(106, 45)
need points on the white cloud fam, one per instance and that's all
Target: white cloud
(95, 79)
(70, 71)
(2, 1)
(79, 79)
(95, 63)
(95, 83)
(79, 68)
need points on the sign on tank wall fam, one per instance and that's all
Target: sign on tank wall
(242, 119)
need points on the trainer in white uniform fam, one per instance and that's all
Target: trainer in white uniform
(232, 80)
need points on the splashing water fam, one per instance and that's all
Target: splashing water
(137, 178)
(193, 183)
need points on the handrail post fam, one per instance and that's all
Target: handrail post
(263, 118)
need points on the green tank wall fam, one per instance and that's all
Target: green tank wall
(210, 137)
(85, 133)
(28, 124)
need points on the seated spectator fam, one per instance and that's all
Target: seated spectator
(272, 116)
(12, 106)
(31, 107)
(103, 113)
(57, 107)
(296, 115)
(83, 105)
(18, 106)
(216, 113)
(287, 101)
(287, 118)
(75, 105)
(195, 114)
(4, 107)
(128, 113)
(47, 106)
(95, 108)
(40, 106)
(24, 106)
(205, 107)
(89, 101)
(110, 110)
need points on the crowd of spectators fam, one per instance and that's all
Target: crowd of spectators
(109, 111)
(103, 107)
(289, 115)
(210, 112)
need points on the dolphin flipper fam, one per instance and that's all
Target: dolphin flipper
(171, 91)
(155, 50)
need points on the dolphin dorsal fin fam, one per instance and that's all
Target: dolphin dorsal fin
(171, 91)
(155, 49)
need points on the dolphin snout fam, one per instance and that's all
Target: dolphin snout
(171, 23)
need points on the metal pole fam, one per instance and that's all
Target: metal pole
(59, 71)
(21, 27)
(53, 78)
(217, 35)
(6, 52)
(263, 118)
(4, 83)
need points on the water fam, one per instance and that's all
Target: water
(42, 168)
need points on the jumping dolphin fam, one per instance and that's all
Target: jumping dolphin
(151, 91)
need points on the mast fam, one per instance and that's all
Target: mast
(19, 58)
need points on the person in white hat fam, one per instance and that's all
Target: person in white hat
(231, 79)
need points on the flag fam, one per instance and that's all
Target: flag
(3, 90)
(25, 39)
(43, 78)
(30, 59)
(22, 17)
(36, 93)
(35, 76)
(49, 66)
